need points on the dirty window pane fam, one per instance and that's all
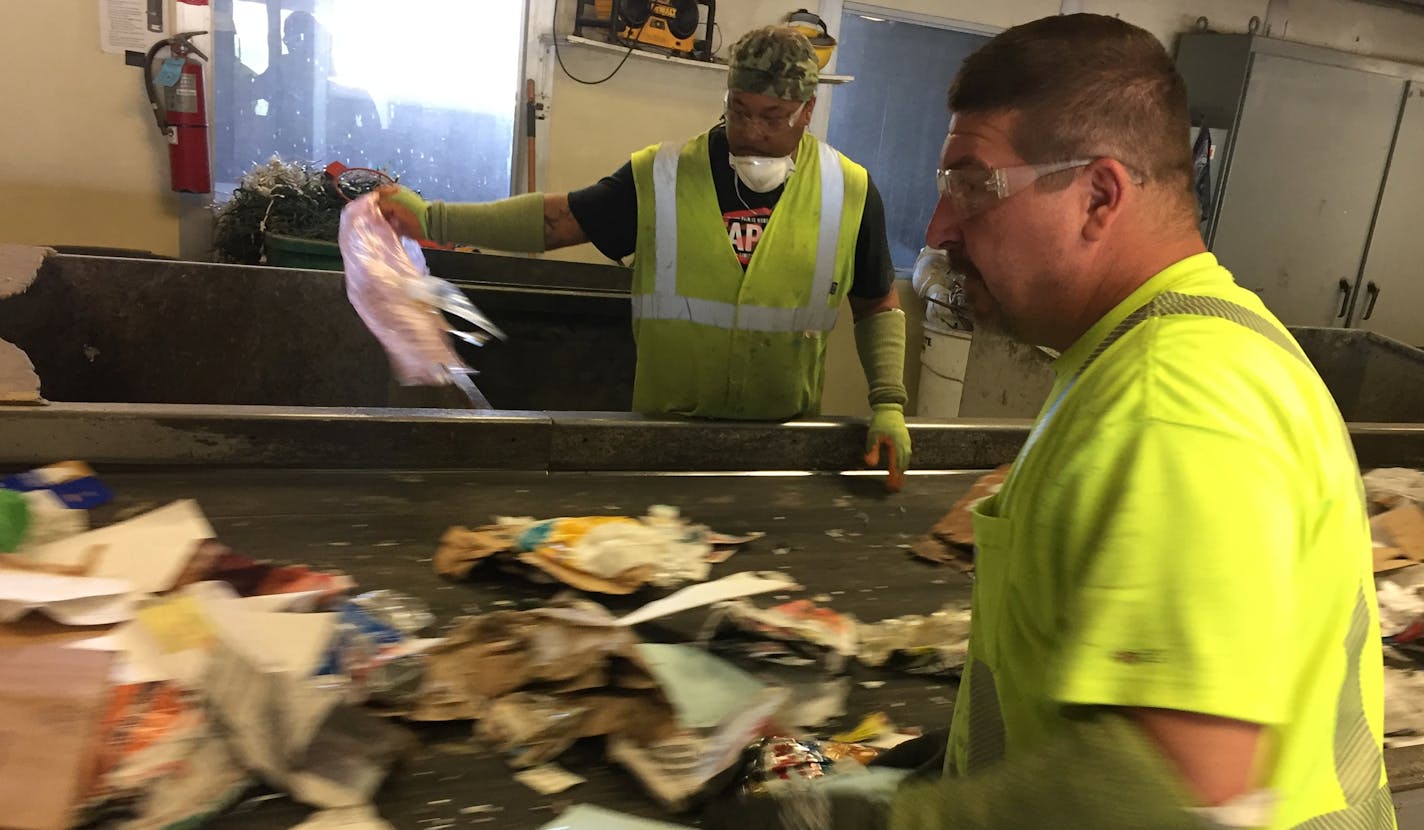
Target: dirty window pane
(892, 127)
(425, 89)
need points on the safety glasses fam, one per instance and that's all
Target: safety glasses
(762, 124)
(972, 190)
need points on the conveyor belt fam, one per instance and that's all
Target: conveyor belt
(265, 477)
(381, 527)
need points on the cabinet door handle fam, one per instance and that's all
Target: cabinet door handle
(1344, 296)
(1374, 291)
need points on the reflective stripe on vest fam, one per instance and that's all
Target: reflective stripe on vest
(666, 304)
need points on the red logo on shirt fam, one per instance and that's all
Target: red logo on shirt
(744, 229)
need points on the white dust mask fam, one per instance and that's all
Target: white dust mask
(762, 173)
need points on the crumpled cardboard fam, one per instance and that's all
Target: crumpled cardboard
(1398, 536)
(951, 540)
(51, 709)
(571, 651)
(19, 265)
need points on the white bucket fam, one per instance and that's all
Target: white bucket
(943, 358)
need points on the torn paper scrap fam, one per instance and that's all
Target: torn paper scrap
(19, 384)
(71, 600)
(548, 779)
(743, 584)
(704, 689)
(359, 817)
(589, 817)
(19, 265)
(149, 551)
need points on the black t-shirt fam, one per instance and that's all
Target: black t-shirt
(608, 214)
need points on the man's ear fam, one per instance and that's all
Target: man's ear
(1108, 181)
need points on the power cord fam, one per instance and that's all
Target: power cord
(553, 33)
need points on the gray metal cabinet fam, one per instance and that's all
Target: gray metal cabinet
(1391, 297)
(1301, 207)
(1294, 218)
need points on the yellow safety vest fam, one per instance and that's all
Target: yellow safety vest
(715, 340)
(1185, 529)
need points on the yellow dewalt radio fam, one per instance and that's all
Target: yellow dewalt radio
(669, 26)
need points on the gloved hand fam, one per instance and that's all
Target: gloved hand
(404, 209)
(880, 342)
(513, 224)
(888, 431)
(923, 756)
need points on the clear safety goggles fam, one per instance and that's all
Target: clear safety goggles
(974, 189)
(763, 124)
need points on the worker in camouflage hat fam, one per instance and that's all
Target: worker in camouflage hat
(777, 61)
(739, 330)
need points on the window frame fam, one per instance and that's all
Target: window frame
(831, 12)
(536, 62)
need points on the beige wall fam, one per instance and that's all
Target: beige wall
(80, 157)
(81, 162)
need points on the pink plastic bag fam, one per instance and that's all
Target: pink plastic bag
(392, 290)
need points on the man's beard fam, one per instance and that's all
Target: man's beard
(983, 308)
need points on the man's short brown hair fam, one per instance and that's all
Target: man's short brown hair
(1085, 85)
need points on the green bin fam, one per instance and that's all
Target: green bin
(295, 252)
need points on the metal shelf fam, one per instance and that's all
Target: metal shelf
(644, 54)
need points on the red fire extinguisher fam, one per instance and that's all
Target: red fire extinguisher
(180, 109)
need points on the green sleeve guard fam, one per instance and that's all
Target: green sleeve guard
(1104, 772)
(880, 342)
(514, 224)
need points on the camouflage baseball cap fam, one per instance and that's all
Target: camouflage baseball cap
(774, 60)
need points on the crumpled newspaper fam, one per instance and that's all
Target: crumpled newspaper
(1403, 706)
(1399, 607)
(392, 290)
(1387, 486)
(937, 644)
(603, 554)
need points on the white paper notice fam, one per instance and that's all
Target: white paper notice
(135, 25)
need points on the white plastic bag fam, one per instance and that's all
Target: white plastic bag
(392, 290)
(1397, 482)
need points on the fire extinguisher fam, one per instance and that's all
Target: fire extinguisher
(179, 107)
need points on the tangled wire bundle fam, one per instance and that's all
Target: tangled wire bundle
(283, 197)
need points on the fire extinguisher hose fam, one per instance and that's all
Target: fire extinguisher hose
(180, 44)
